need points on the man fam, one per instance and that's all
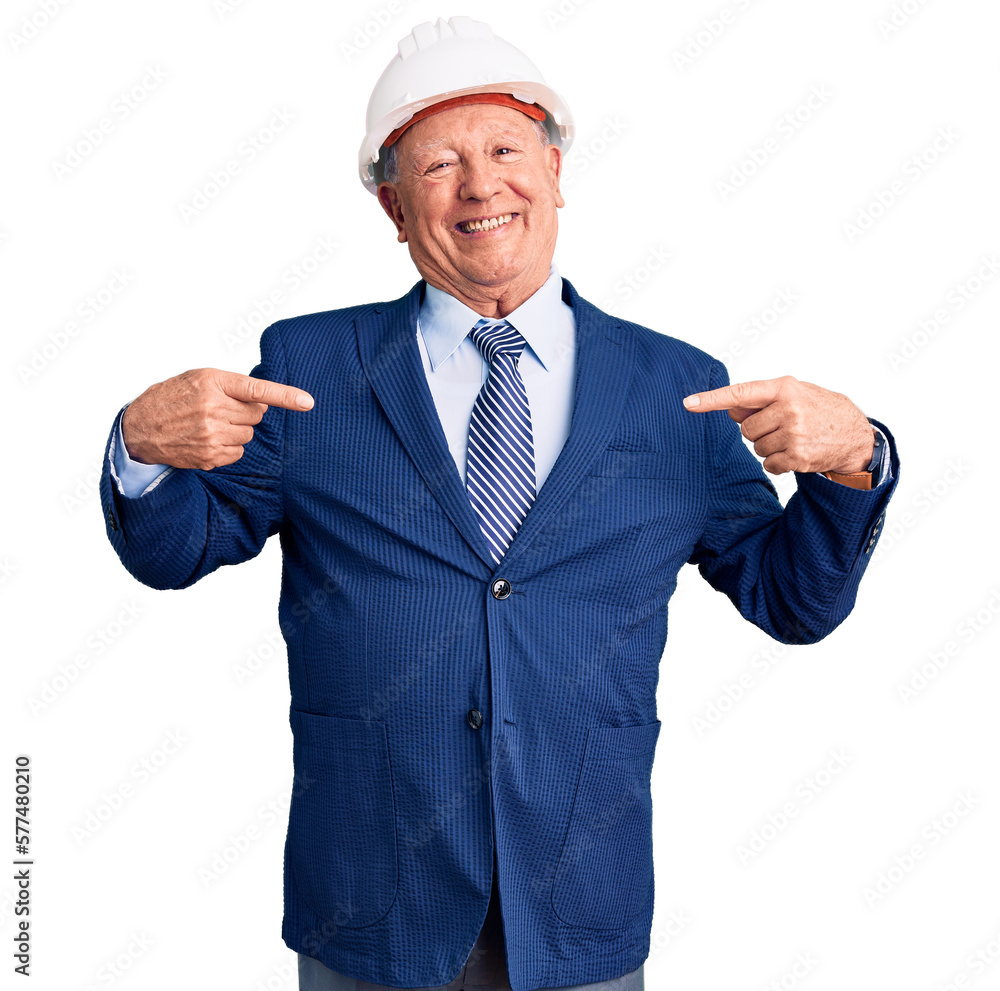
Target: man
(473, 653)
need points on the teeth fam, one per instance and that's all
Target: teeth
(485, 225)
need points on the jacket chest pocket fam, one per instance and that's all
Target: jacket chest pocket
(662, 490)
(605, 872)
(640, 464)
(341, 825)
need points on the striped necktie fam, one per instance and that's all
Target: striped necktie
(500, 477)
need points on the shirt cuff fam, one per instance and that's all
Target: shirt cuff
(133, 478)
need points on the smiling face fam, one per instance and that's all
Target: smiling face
(476, 201)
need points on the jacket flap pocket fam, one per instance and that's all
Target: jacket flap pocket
(618, 742)
(351, 736)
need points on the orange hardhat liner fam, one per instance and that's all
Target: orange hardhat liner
(533, 110)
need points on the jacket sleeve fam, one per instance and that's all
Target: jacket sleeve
(794, 572)
(190, 522)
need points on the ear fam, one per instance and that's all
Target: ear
(553, 161)
(392, 203)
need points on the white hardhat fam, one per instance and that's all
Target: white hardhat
(454, 58)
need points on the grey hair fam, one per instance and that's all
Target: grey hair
(390, 165)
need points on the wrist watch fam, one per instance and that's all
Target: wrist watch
(861, 479)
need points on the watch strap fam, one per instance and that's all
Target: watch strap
(861, 479)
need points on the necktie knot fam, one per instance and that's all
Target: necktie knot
(495, 338)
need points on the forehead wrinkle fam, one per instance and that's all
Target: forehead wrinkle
(488, 130)
(508, 133)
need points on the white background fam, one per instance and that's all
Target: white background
(655, 138)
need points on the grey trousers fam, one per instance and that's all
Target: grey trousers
(485, 970)
(314, 976)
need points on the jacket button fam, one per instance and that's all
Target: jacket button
(500, 588)
(475, 718)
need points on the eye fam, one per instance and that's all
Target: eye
(501, 151)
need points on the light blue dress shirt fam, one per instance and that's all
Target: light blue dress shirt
(456, 371)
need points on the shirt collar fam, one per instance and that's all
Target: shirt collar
(445, 321)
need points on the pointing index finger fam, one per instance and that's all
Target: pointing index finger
(251, 390)
(739, 395)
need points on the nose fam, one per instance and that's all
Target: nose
(480, 180)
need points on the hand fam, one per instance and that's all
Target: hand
(202, 418)
(795, 426)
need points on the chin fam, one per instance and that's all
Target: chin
(490, 277)
(495, 274)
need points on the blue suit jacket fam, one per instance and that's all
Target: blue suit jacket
(396, 644)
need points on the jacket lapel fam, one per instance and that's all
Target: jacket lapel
(391, 358)
(389, 353)
(604, 361)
